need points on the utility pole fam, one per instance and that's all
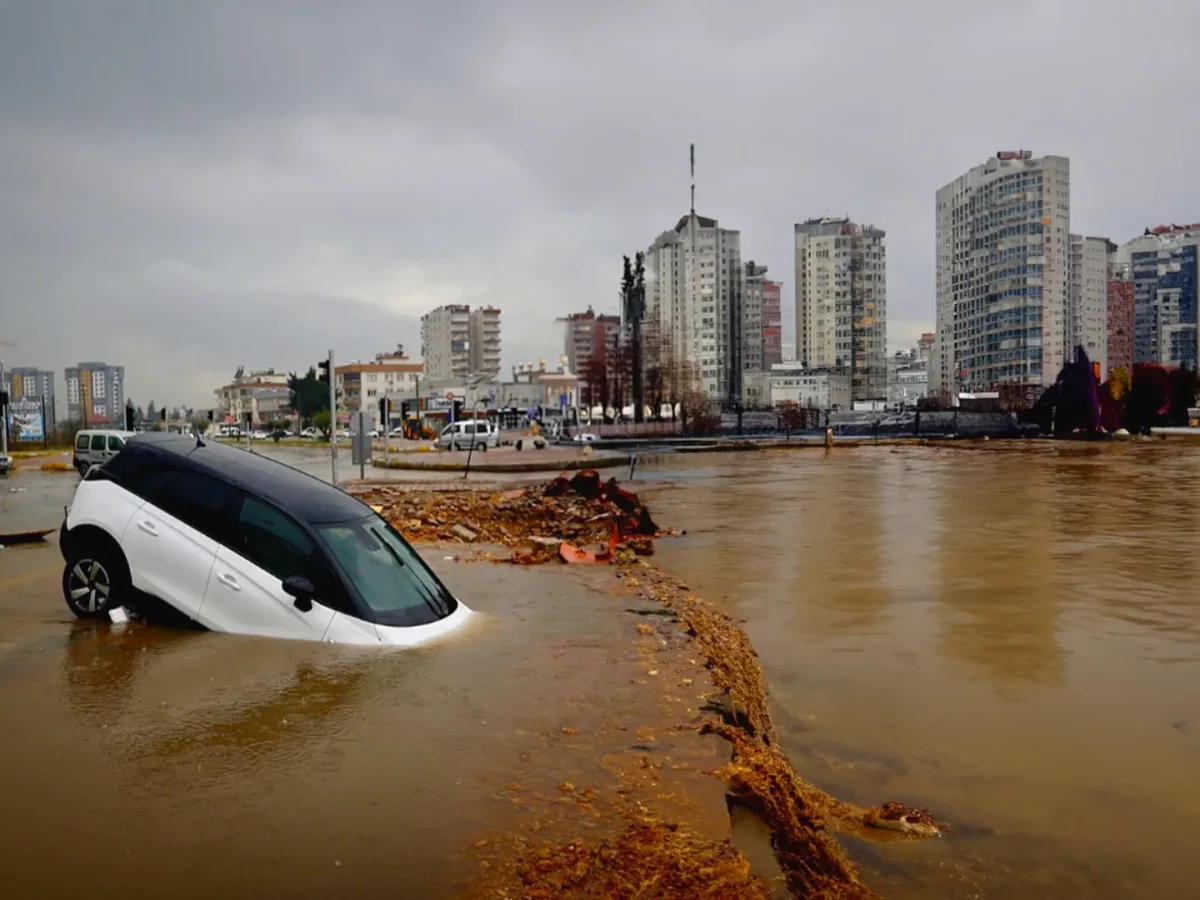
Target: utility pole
(4, 407)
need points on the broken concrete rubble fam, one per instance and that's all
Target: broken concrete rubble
(563, 520)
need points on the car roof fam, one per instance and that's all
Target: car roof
(302, 496)
(117, 431)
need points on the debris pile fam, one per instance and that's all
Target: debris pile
(665, 862)
(539, 524)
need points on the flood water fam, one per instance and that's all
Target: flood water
(149, 762)
(1007, 634)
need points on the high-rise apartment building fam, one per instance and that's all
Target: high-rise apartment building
(25, 383)
(694, 300)
(457, 341)
(590, 337)
(1120, 318)
(841, 302)
(1003, 271)
(1163, 268)
(96, 394)
(485, 341)
(752, 316)
(1087, 299)
(772, 325)
(446, 342)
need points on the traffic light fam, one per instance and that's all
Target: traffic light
(3, 400)
(129, 414)
(385, 407)
(162, 414)
(323, 365)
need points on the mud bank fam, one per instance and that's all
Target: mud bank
(653, 854)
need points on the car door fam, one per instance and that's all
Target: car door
(245, 588)
(171, 541)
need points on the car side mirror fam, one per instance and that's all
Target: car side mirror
(301, 588)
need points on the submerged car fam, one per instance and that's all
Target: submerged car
(244, 544)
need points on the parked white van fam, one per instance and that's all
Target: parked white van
(462, 435)
(94, 447)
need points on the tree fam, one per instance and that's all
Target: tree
(596, 375)
(309, 395)
(633, 307)
(321, 421)
(151, 411)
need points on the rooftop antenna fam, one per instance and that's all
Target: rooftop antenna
(693, 158)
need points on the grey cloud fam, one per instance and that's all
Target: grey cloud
(229, 169)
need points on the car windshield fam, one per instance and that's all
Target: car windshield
(389, 576)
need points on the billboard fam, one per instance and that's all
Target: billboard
(25, 419)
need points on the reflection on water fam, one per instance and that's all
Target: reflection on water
(1008, 634)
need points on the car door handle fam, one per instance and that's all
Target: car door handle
(229, 581)
(149, 528)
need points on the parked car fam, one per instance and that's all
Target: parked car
(462, 435)
(585, 437)
(6, 463)
(244, 544)
(310, 432)
(94, 447)
(259, 435)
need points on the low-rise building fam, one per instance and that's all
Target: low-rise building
(790, 385)
(362, 385)
(263, 395)
(539, 387)
(908, 377)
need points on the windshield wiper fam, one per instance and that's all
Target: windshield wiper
(437, 603)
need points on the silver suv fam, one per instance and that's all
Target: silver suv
(94, 447)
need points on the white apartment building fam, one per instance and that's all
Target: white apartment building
(841, 302)
(694, 295)
(485, 341)
(1003, 272)
(1087, 299)
(457, 341)
(263, 395)
(788, 385)
(446, 341)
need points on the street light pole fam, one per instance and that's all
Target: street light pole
(333, 417)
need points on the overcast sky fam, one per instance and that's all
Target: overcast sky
(190, 186)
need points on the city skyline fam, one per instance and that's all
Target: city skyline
(335, 208)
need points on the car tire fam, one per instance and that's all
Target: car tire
(83, 469)
(95, 580)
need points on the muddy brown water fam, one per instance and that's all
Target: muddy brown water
(150, 762)
(1007, 635)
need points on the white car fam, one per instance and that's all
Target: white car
(6, 464)
(585, 437)
(259, 435)
(244, 544)
(309, 432)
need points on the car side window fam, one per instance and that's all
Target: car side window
(81, 442)
(97, 442)
(114, 443)
(203, 503)
(276, 544)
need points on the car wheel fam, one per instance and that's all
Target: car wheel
(94, 581)
(83, 469)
